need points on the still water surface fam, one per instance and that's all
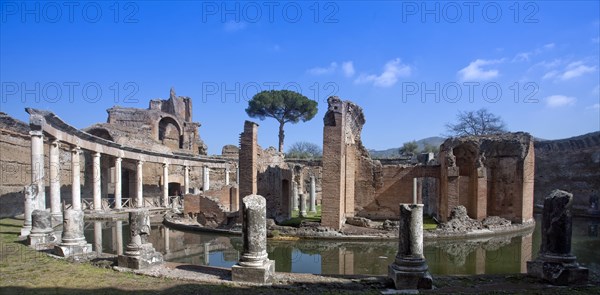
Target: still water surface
(496, 255)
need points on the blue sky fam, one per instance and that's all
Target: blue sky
(410, 65)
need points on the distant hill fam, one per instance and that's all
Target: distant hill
(393, 152)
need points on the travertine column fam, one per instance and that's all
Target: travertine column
(166, 185)
(555, 263)
(73, 240)
(410, 270)
(167, 234)
(294, 195)
(205, 178)
(186, 180)
(254, 265)
(118, 203)
(37, 168)
(139, 253)
(302, 212)
(415, 190)
(313, 195)
(75, 179)
(96, 182)
(139, 199)
(54, 171)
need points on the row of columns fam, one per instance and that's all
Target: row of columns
(37, 179)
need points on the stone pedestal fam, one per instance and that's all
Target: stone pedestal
(139, 253)
(410, 270)
(73, 241)
(555, 262)
(42, 234)
(302, 205)
(254, 265)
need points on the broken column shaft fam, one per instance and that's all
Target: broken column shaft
(73, 241)
(410, 270)
(254, 265)
(139, 253)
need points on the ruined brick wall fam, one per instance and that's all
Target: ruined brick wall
(489, 175)
(248, 160)
(341, 141)
(573, 165)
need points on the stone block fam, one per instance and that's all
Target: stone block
(145, 257)
(257, 274)
(404, 279)
(557, 272)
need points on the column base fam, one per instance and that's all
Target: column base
(411, 275)
(558, 270)
(25, 231)
(42, 241)
(145, 256)
(258, 274)
(68, 250)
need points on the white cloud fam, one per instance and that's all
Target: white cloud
(524, 56)
(348, 68)
(595, 107)
(556, 101)
(549, 46)
(576, 69)
(233, 26)
(323, 71)
(392, 70)
(550, 75)
(475, 71)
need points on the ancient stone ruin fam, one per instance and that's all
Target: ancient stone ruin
(410, 270)
(139, 252)
(555, 263)
(42, 234)
(254, 265)
(73, 241)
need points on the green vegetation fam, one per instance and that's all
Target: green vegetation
(429, 223)
(296, 220)
(304, 150)
(410, 147)
(282, 105)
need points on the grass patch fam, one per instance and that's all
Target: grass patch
(296, 219)
(429, 223)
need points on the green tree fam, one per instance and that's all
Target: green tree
(304, 150)
(476, 123)
(282, 105)
(429, 148)
(410, 147)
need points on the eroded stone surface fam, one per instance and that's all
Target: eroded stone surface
(73, 241)
(42, 234)
(139, 253)
(555, 263)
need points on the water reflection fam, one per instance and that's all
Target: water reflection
(495, 255)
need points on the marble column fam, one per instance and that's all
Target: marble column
(313, 195)
(119, 234)
(294, 196)
(205, 178)
(98, 237)
(206, 253)
(410, 270)
(37, 168)
(73, 241)
(139, 252)
(29, 205)
(166, 185)
(54, 171)
(139, 180)
(96, 182)
(167, 235)
(118, 201)
(227, 176)
(42, 235)
(302, 212)
(254, 265)
(555, 263)
(75, 178)
(186, 180)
